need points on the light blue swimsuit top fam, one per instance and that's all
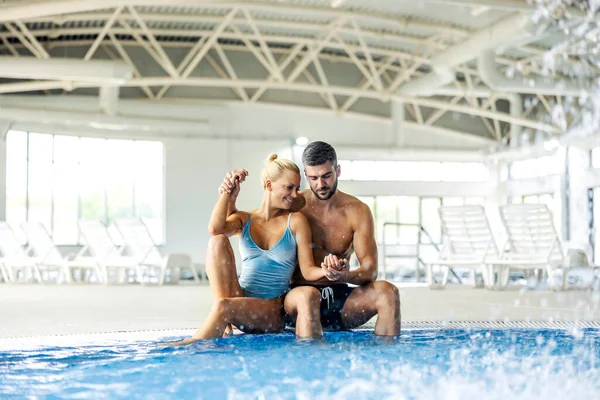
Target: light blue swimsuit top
(266, 273)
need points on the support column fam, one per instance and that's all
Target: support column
(576, 199)
(109, 99)
(397, 108)
(4, 128)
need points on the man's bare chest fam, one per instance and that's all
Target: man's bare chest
(331, 233)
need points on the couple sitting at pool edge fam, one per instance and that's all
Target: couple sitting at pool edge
(295, 249)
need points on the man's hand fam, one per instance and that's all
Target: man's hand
(335, 269)
(232, 181)
(339, 264)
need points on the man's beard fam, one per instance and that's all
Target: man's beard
(329, 194)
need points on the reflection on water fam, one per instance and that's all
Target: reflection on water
(432, 364)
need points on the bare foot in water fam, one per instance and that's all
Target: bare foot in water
(228, 331)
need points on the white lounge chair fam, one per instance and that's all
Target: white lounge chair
(468, 241)
(49, 257)
(532, 243)
(15, 261)
(106, 254)
(149, 256)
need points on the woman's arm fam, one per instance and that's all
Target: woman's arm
(301, 229)
(220, 223)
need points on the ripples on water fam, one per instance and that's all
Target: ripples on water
(422, 364)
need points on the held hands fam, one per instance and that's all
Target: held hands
(232, 181)
(335, 269)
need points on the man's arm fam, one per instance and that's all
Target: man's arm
(229, 186)
(365, 248)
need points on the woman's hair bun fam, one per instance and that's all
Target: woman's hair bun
(272, 157)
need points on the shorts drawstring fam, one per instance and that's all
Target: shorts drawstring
(326, 293)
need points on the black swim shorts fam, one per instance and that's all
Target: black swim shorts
(333, 298)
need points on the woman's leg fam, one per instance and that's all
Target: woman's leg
(303, 303)
(249, 314)
(221, 270)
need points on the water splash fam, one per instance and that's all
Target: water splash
(421, 364)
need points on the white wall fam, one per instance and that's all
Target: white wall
(194, 170)
(2, 179)
(194, 118)
(214, 138)
(432, 189)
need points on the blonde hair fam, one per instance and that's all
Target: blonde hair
(275, 167)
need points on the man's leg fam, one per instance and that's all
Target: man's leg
(303, 303)
(250, 314)
(379, 298)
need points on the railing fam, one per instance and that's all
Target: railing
(421, 232)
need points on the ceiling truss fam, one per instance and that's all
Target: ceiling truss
(290, 62)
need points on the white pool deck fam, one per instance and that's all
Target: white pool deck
(33, 310)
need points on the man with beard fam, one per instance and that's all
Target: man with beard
(341, 225)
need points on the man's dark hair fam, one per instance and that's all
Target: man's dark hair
(318, 153)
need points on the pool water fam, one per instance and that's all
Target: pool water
(421, 364)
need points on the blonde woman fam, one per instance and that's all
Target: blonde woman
(272, 241)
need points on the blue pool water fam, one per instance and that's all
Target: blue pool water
(421, 364)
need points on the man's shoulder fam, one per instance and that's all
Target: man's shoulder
(352, 202)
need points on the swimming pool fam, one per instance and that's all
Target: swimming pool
(421, 364)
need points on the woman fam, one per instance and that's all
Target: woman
(272, 240)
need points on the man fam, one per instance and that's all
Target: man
(341, 225)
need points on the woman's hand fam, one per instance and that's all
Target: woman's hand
(336, 270)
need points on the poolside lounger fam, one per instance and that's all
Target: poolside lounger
(49, 257)
(468, 241)
(15, 261)
(106, 254)
(149, 256)
(532, 243)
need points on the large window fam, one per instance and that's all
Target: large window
(410, 210)
(397, 224)
(536, 167)
(594, 198)
(57, 180)
(595, 157)
(413, 171)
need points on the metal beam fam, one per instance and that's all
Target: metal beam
(168, 64)
(506, 5)
(264, 47)
(315, 48)
(228, 67)
(58, 7)
(23, 40)
(365, 84)
(310, 88)
(455, 135)
(325, 83)
(367, 54)
(286, 60)
(302, 26)
(109, 23)
(129, 61)
(185, 70)
(274, 38)
(33, 40)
